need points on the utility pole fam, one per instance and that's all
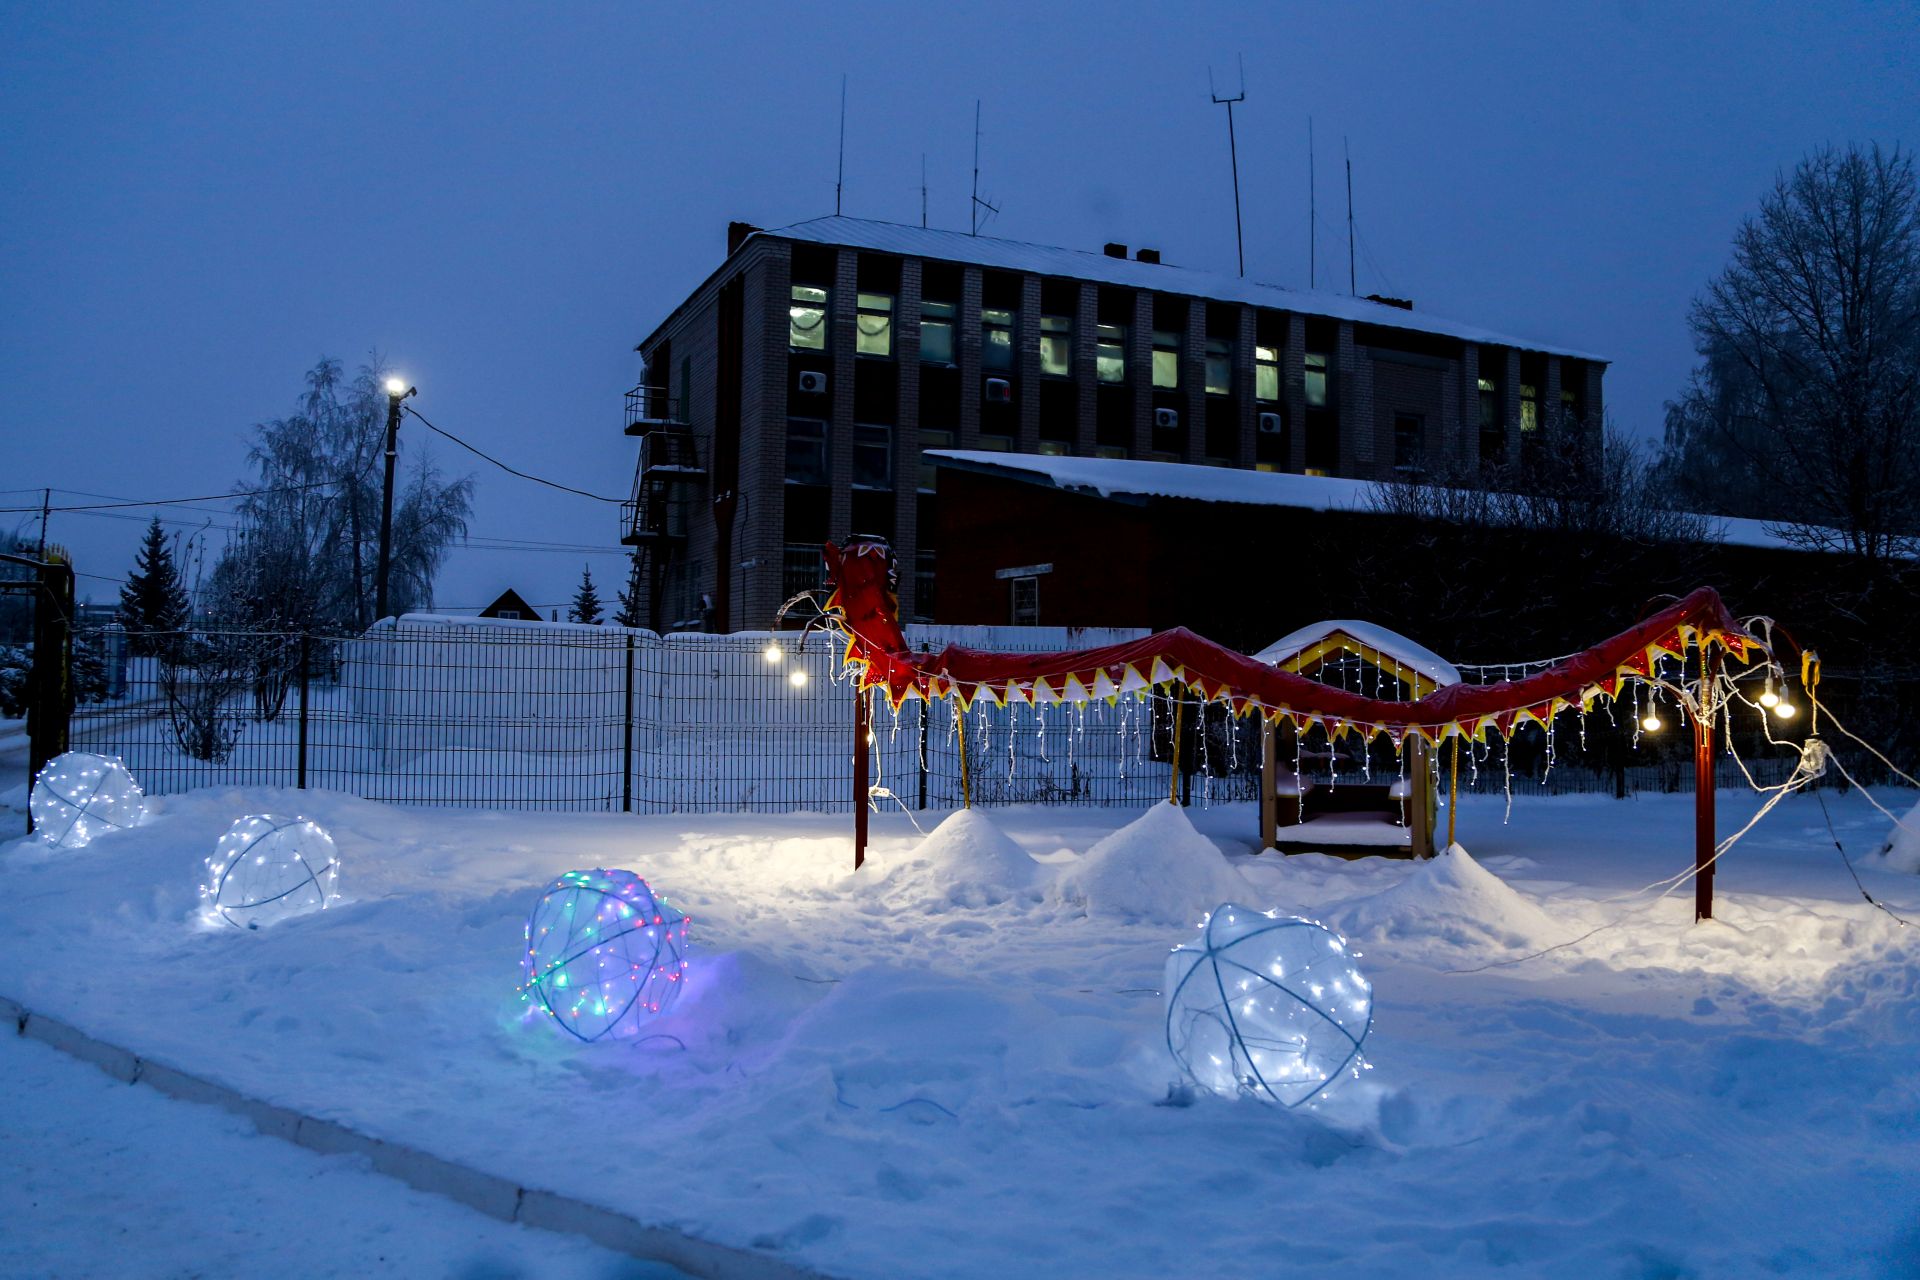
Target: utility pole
(397, 390)
(978, 203)
(1233, 151)
(840, 174)
(46, 506)
(1313, 217)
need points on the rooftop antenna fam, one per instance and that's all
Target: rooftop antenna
(978, 203)
(923, 191)
(1351, 289)
(1233, 151)
(1313, 217)
(840, 174)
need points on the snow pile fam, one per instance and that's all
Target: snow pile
(966, 861)
(1902, 852)
(1450, 899)
(1157, 870)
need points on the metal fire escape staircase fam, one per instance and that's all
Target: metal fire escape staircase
(665, 486)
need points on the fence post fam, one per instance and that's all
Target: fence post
(306, 667)
(50, 709)
(860, 797)
(926, 705)
(1703, 797)
(626, 751)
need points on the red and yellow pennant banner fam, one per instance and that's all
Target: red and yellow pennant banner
(863, 604)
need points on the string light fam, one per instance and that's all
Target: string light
(1785, 710)
(1266, 1006)
(773, 653)
(79, 796)
(796, 677)
(603, 954)
(267, 868)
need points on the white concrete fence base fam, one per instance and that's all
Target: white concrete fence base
(488, 1193)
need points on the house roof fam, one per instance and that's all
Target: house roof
(1081, 264)
(1138, 480)
(1371, 641)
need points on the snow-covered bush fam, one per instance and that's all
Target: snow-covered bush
(268, 868)
(1267, 1006)
(603, 954)
(80, 796)
(1157, 869)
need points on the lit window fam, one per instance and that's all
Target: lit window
(1489, 405)
(873, 325)
(930, 474)
(1219, 367)
(872, 457)
(1056, 346)
(1529, 408)
(1110, 353)
(1266, 373)
(807, 319)
(806, 451)
(936, 332)
(1055, 448)
(1166, 360)
(996, 339)
(1109, 451)
(1316, 380)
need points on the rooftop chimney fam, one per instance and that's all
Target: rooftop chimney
(1405, 304)
(1116, 251)
(737, 233)
(1148, 255)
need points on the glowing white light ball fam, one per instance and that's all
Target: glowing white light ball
(80, 796)
(269, 868)
(603, 954)
(1267, 1006)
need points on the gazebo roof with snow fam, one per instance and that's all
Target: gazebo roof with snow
(1305, 649)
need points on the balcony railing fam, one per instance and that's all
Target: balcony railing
(669, 448)
(655, 512)
(649, 408)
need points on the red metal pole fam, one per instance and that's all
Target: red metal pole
(1703, 819)
(860, 750)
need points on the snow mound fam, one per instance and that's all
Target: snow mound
(1450, 899)
(1902, 851)
(1157, 869)
(966, 861)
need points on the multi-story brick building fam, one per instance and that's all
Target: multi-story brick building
(789, 398)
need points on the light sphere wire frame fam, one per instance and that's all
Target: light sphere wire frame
(79, 796)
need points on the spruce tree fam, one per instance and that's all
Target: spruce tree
(586, 601)
(631, 599)
(153, 603)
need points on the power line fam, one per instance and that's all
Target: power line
(174, 502)
(551, 484)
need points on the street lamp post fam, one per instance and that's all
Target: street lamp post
(397, 390)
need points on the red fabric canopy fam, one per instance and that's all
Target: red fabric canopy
(864, 605)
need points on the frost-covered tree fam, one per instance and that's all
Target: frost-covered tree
(1805, 406)
(586, 600)
(309, 546)
(153, 602)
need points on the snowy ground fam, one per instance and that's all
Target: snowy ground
(103, 1179)
(955, 1067)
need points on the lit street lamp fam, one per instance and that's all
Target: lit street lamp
(397, 390)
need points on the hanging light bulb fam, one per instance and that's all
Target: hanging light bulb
(796, 677)
(1651, 721)
(773, 652)
(1769, 698)
(1785, 710)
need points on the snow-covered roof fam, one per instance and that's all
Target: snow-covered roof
(1082, 264)
(1373, 641)
(1138, 478)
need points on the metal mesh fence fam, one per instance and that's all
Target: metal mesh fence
(586, 718)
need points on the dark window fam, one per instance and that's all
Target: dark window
(936, 332)
(923, 575)
(1219, 366)
(1026, 602)
(930, 474)
(807, 318)
(802, 568)
(872, 456)
(806, 451)
(1409, 442)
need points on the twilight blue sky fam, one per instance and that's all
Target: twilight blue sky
(198, 200)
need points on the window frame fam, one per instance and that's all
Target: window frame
(992, 328)
(1266, 363)
(1218, 349)
(1110, 337)
(944, 319)
(861, 447)
(823, 444)
(869, 305)
(1163, 347)
(1014, 585)
(796, 305)
(1310, 370)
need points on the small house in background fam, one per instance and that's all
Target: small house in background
(511, 606)
(1327, 799)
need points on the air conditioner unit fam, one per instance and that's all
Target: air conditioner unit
(1270, 424)
(1166, 419)
(811, 382)
(999, 391)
